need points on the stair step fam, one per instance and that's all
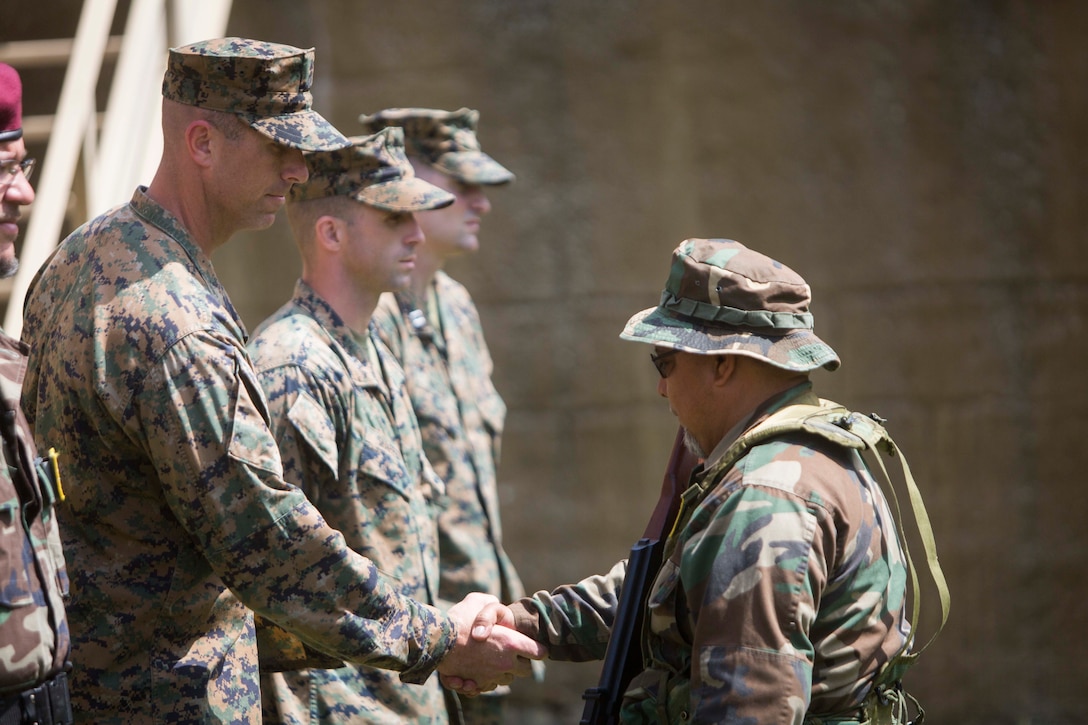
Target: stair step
(48, 52)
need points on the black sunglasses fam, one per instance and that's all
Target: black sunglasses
(660, 359)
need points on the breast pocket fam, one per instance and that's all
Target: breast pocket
(15, 557)
(434, 402)
(391, 515)
(383, 465)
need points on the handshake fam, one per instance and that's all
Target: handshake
(489, 652)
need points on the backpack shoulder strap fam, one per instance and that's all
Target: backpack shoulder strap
(881, 445)
(836, 424)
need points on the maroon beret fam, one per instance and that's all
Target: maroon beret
(11, 104)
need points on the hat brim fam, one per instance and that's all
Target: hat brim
(474, 167)
(412, 194)
(305, 130)
(799, 350)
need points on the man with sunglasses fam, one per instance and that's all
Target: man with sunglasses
(34, 639)
(781, 596)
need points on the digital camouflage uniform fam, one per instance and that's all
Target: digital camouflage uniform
(440, 343)
(349, 439)
(461, 414)
(177, 517)
(34, 637)
(175, 492)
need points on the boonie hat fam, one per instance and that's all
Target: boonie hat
(723, 298)
(444, 139)
(266, 84)
(11, 104)
(373, 170)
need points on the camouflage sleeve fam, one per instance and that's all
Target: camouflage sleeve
(749, 573)
(574, 620)
(306, 418)
(306, 436)
(221, 476)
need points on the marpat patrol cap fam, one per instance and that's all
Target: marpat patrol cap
(267, 84)
(724, 298)
(444, 139)
(11, 104)
(373, 170)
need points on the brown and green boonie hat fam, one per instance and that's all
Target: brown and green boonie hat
(373, 170)
(266, 84)
(444, 139)
(724, 298)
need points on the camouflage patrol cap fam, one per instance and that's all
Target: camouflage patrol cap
(723, 298)
(266, 84)
(444, 139)
(373, 170)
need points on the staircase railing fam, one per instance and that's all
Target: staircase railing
(126, 151)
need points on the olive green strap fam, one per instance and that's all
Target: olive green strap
(881, 443)
(837, 424)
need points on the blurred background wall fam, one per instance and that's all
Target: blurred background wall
(923, 164)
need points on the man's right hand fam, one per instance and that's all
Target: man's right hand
(489, 652)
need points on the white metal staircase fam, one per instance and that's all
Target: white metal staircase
(115, 150)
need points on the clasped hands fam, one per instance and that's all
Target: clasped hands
(489, 652)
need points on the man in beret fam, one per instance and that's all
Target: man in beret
(179, 524)
(433, 328)
(781, 594)
(34, 635)
(341, 414)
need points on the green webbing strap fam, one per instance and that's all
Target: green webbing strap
(878, 440)
(838, 425)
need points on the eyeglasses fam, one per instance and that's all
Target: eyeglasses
(660, 361)
(10, 168)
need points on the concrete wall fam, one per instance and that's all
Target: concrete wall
(922, 164)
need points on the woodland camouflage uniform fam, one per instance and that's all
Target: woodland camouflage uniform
(34, 636)
(782, 589)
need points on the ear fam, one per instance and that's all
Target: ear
(725, 368)
(329, 233)
(198, 142)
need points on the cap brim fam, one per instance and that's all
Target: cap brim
(305, 130)
(474, 167)
(798, 349)
(412, 194)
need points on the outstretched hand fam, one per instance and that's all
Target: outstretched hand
(489, 651)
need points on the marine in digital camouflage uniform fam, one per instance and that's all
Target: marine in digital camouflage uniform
(434, 329)
(341, 414)
(178, 521)
(34, 637)
(782, 589)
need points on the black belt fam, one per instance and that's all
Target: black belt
(46, 704)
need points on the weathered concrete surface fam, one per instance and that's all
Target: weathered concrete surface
(922, 164)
